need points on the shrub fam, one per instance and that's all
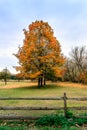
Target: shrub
(59, 120)
(50, 120)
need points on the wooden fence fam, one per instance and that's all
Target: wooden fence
(65, 107)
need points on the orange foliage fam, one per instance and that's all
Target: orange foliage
(40, 51)
(35, 75)
(83, 77)
(59, 72)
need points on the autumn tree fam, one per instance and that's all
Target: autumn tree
(40, 52)
(72, 72)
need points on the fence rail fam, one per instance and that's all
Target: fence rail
(65, 108)
(78, 99)
(39, 98)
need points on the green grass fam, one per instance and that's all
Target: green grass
(41, 128)
(24, 127)
(28, 89)
(51, 90)
(30, 125)
(38, 128)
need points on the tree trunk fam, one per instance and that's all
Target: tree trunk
(45, 76)
(39, 82)
(44, 80)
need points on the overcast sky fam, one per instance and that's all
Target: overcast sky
(68, 18)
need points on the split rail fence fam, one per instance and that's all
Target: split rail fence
(64, 108)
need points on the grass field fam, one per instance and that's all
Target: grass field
(30, 89)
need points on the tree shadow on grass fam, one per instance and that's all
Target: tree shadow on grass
(50, 86)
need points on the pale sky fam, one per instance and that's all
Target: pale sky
(68, 18)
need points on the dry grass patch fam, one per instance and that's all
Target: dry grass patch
(17, 84)
(70, 84)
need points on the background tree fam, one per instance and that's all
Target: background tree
(77, 65)
(72, 72)
(5, 75)
(40, 52)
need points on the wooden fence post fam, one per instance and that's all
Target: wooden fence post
(65, 105)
